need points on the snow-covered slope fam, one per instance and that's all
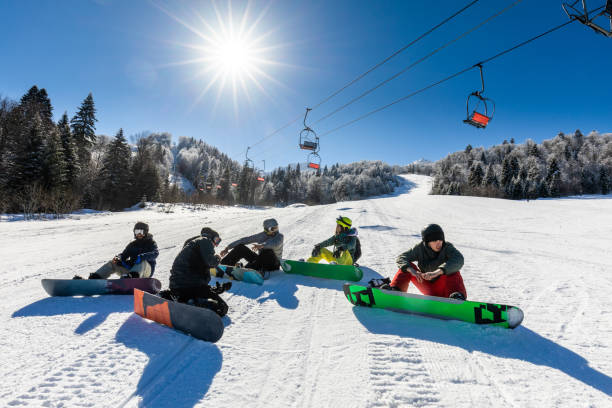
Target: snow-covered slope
(296, 341)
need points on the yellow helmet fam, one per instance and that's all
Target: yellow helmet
(344, 222)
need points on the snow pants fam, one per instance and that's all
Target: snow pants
(266, 260)
(143, 268)
(345, 257)
(443, 286)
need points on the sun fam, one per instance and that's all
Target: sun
(233, 57)
(231, 54)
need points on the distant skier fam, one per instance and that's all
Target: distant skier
(437, 273)
(137, 259)
(346, 245)
(190, 273)
(267, 249)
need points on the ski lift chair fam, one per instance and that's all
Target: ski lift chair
(308, 138)
(475, 118)
(482, 109)
(260, 176)
(583, 16)
(314, 161)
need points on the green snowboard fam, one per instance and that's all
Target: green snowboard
(320, 270)
(431, 306)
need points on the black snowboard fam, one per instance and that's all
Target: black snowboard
(201, 323)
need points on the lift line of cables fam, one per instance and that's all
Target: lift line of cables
(378, 65)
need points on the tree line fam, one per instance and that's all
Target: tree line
(59, 167)
(565, 165)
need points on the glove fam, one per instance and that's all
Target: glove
(316, 250)
(138, 260)
(218, 289)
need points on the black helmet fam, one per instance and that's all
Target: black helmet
(432, 232)
(142, 226)
(211, 234)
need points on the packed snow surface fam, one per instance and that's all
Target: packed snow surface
(296, 341)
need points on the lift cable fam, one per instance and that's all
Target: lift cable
(370, 70)
(446, 79)
(404, 48)
(418, 62)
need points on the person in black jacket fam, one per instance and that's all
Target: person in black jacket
(190, 273)
(137, 259)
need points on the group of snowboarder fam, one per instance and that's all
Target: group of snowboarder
(437, 273)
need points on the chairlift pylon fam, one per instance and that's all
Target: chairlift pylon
(589, 20)
(480, 110)
(308, 138)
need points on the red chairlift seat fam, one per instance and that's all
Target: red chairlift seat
(479, 117)
(314, 161)
(308, 145)
(259, 178)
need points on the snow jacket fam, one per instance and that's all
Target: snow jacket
(449, 259)
(273, 242)
(145, 248)
(191, 267)
(343, 241)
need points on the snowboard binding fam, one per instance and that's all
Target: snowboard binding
(377, 283)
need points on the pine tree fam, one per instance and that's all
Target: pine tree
(69, 148)
(116, 173)
(54, 166)
(490, 178)
(29, 158)
(83, 128)
(224, 193)
(604, 180)
(476, 175)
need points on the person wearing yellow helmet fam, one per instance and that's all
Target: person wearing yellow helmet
(344, 242)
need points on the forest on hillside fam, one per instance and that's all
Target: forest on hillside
(565, 165)
(59, 167)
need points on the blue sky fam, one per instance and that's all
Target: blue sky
(147, 64)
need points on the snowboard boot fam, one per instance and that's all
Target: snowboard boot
(377, 283)
(457, 295)
(77, 277)
(94, 276)
(386, 286)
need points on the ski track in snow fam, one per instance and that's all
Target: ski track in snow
(296, 341)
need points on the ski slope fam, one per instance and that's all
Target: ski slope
(296, 341)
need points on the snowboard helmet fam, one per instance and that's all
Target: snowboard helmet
(432, 232)
(141, 226)
(344, 222)
(270, 225)
(211, 234)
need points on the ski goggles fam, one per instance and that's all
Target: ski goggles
(139, 231)
(271, 229)
(216, 241)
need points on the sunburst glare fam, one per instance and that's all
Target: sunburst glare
(231, 57)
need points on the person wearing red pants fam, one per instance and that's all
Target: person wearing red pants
(437, 273)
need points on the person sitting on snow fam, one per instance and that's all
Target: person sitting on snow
(190, 273)
(137, 259)
(267, 249)
(437, 273)
(345, 245)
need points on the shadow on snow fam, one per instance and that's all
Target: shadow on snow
(281, 287)
(520, 343)
(180, 368)
(100, 306)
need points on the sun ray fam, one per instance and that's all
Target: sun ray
(233, 55)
